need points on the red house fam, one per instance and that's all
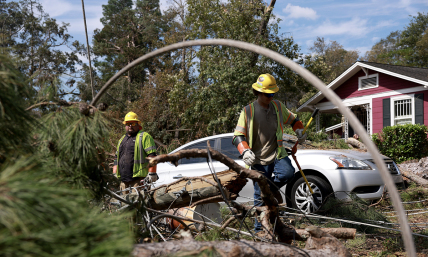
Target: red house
(380, 95)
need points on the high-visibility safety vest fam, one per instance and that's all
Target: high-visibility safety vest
(144, 145)
(245, 125)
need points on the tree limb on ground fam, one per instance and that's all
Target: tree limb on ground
(415, 178)
(315, 247)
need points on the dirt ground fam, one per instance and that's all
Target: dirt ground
(390, 243)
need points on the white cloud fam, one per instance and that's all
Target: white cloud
(405, 2)
(309, 43)
(375, 39)
(355, 27)
(362, 49)
(77, 25)
(57, 8)
(385, 23)
(296, 12)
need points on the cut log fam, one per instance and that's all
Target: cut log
(342, 233)
(415, 178)
(199, 190)
(242, 248)
(355, 143)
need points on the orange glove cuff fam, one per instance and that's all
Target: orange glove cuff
(243, 146)
(152, 169)
(298, 125)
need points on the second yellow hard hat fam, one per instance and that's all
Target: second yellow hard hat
(266, 83)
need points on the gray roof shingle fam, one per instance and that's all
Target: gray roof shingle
(413, 72)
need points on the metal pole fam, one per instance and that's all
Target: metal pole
(316, 82)
(87, 47)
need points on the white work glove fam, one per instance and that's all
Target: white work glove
(248, 157)
(153, 177)
(300, 136)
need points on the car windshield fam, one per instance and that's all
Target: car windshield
(228, 149)
(225, 146)
(201, 145)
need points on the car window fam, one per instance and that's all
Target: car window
(201, 145)
(228, 149)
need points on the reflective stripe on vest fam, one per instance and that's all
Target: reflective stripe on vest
(281, 119)
(248, 110)
(140, 146)
(149, 148)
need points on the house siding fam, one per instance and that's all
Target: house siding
(377, 110)
(349, 88)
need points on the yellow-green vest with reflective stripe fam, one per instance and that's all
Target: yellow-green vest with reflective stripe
(144, 145)
(245, 125)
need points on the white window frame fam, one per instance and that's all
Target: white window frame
(367, 77)
(402, 97)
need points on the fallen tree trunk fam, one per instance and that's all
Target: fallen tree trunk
(195, 190)
(330, 247)
(415, 178)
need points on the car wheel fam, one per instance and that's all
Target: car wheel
(301, 197)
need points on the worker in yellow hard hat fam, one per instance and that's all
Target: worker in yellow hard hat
(131, 164)
(258, 137)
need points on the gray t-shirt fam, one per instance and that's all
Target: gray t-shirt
(265, 125)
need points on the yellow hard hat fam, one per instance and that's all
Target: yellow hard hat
(266, 83)
(131, 116)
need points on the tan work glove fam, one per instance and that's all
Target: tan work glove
(248, 157)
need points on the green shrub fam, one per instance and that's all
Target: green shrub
(317, 137)
(403, 142)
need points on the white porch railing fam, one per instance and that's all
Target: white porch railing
(332, 127)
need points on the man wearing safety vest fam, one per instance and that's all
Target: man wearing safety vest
(258, 137)
(131, 165)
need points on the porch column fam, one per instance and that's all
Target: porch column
(368, 111)
(317, 122)
(346, 128)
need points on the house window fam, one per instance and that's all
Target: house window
(402, 110)
(370, 81)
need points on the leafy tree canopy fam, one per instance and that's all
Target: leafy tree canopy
(35, 41)
(407, 47)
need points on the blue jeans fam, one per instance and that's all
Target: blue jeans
(282, 171)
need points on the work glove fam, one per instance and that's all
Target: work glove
(153, 177)
(248, 157)
(300, 136)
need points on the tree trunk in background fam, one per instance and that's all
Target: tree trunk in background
(262, 29)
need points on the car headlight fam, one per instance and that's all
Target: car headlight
(349, 163)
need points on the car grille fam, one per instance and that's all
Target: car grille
(393, 169)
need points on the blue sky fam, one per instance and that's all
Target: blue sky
(357, 25)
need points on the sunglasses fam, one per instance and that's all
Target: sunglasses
(269, 95)
(131, 124)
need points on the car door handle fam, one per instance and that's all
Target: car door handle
(178, 176)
